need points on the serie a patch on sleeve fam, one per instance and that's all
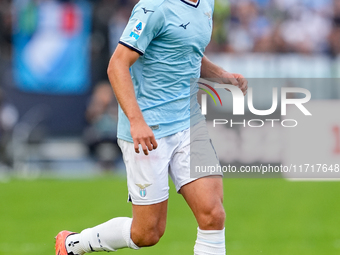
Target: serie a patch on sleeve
(137, 29)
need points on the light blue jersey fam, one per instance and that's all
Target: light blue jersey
(170, 36)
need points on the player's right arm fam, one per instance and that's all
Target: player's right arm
(119, 75)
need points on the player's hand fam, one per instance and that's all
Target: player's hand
(237, 80)
(142, 135)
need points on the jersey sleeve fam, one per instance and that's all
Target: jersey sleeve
(145, 24)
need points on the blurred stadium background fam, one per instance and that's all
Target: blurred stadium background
(57, 111)
(58, 121)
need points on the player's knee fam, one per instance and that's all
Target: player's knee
(217, 217)
(213, 218)
(148, 238)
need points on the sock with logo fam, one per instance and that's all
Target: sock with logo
(210, 242)
(109, 236)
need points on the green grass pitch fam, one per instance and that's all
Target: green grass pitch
(264, 216)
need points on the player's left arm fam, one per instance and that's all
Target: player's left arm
(210, 70)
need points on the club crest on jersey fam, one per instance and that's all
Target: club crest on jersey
(142, 189)
(209, 15)
(137, 29)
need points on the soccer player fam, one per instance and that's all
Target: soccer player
(161, 48)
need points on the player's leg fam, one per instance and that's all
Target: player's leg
(148, 224)
(203, 194)
(145, 229)
(147, 178)
(148, 187)
(205, 198)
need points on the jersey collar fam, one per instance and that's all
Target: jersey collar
(191, 3)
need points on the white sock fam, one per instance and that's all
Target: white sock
(109, 236)
(72, 244)
(210, 242)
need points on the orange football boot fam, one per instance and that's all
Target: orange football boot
(60, 245)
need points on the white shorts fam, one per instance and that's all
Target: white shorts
(147, 176)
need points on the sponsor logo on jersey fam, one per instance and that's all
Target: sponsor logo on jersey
(146, 11)
(185, 26)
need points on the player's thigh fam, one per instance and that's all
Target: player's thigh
(195, 149)
(147, 176)
(205, 198)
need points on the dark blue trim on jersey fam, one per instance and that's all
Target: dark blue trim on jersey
(132, 48)
(192, 4)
